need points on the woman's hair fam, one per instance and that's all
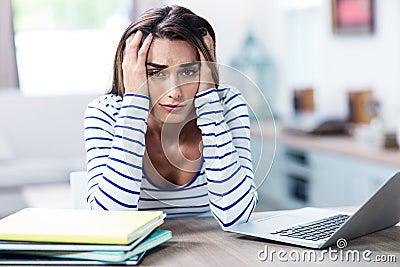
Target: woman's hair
(169, 22)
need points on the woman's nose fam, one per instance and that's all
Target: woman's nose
(175, 91)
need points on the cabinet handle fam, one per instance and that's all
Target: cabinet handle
(297, 156)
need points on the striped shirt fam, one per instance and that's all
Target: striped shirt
(114, 135)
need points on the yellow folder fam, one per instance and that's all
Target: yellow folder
(78, 226)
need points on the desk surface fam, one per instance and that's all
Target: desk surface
(201, 242)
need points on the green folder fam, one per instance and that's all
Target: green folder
(154, 239)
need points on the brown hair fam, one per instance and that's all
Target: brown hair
(170, 22)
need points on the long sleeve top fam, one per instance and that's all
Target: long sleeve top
(224, 185)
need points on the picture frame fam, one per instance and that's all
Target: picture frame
(353, 17)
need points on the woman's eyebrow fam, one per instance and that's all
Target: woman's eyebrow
(155, 65)
(161, 66)
(184, 65)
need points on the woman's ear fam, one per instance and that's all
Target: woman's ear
(203, 31)
(209, 42)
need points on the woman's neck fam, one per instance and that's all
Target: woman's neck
(171, 131)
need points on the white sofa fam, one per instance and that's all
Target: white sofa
(41, 138)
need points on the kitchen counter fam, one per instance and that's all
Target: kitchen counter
(343, 145)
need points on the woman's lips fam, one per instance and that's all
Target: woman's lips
(172, 108)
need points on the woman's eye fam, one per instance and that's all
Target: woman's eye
(155, 73)
(189, 72)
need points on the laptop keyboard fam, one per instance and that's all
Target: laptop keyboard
(316, 230)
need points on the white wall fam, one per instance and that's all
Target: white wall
(361, 62)
(232, 20)
(332, 64)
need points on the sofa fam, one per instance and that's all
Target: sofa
(41, 138)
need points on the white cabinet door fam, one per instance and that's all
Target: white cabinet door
(341, 180)
(332, 179)
(266, 162)
(370, 177)
(332, 182)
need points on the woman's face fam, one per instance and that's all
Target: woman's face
(173, 79)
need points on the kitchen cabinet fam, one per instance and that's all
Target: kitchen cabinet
(307, 175)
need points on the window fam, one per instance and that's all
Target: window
(67, 46)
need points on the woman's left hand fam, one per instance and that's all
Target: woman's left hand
(206, 77)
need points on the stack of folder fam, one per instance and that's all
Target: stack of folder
(79, 237)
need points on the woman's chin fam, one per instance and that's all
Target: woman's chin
(181, 117)
(175, 119)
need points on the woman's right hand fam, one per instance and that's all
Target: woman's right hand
(134, 64)
(206, 77)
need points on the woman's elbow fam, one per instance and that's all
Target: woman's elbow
(236, 215)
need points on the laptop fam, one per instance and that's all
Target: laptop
(320, 228)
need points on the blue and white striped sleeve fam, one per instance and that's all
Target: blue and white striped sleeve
(115, 144)
(225, 131)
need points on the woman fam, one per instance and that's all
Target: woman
(164, 137)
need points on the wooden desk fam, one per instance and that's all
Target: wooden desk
(201, 242)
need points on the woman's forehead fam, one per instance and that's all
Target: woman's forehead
(171, 52)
